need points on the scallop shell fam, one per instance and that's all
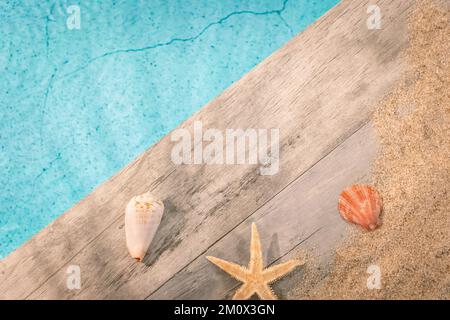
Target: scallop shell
(361, 204)
(142, 218)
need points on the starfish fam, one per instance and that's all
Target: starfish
(256, 279)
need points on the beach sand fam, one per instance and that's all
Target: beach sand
(412, 173)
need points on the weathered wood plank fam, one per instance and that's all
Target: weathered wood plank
(32, 264)
(318, 89)
(302, 215)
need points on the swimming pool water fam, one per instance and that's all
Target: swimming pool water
(76, 105)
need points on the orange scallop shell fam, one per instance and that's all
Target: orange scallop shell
(361, 204)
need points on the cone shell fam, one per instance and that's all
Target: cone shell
(142, 218)
(361, 204)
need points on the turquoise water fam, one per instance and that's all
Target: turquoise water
(76, 105)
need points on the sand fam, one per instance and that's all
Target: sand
(412, 173)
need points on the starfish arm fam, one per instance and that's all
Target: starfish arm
(238, 272)
(256, 259)
(265, 292)
(275, 272)
(244, 292)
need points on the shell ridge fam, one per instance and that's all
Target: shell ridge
(360, 204)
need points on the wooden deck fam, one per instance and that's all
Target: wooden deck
(320, 89)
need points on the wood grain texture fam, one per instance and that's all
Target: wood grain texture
(319, 89)
(301, 216)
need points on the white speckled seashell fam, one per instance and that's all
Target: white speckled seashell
(142, 218)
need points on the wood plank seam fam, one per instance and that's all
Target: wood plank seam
(87, 244)
(287, 253)
(134, 281)
(249, 216)
(364, 137)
